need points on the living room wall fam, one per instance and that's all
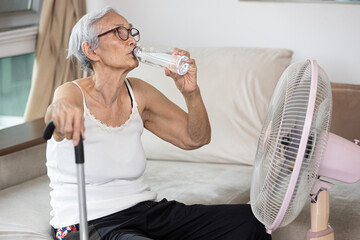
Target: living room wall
(328, 32)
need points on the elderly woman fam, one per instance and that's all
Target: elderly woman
(111, 110)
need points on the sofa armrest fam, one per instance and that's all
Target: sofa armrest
(22, 153)
(345, 120)
(21, 136)
(22, 165)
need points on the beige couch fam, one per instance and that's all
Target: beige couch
(236, 84)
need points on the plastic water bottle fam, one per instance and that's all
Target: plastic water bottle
(162, 58)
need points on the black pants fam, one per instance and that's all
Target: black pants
(171, 220)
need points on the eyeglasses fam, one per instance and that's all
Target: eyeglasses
(123, 33)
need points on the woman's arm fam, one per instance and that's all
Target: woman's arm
(168, 121)
(66, 111)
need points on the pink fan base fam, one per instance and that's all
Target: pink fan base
(320, 212)
(317, 235)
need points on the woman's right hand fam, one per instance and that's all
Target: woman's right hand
(68, 120)
(67, 113)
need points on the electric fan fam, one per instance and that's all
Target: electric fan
(295, 149)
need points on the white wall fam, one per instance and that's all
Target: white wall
(327, 32)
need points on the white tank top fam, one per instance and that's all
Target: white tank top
(114, 165)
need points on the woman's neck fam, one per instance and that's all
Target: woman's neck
(107, 86)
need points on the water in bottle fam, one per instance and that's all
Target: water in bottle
(162, 58)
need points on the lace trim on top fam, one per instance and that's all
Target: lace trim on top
(102, 125)
(106, 127)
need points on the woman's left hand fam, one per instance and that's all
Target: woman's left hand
(185, 83)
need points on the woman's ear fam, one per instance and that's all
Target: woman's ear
(88, 51)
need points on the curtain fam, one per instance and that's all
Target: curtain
(51, 68)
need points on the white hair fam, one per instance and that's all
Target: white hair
(85, 31)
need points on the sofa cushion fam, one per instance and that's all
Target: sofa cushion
(236, 84)
(204, 183)
(25, 210)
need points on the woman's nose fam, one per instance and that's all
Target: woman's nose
(131, 40)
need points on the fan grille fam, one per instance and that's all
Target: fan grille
(279, 142)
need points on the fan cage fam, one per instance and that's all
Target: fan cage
(279, 141)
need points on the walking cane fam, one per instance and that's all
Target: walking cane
(79, 160)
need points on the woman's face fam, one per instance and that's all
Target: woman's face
(114, 52)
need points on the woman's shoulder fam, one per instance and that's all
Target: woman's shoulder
(135, 81)
(67, 87)
(145, 93)
(141, 86)
(74, 85)
(71, 91)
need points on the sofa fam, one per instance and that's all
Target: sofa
(236, 84)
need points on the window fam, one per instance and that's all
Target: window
(15, 81)
(19, 13)
(18, 29)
